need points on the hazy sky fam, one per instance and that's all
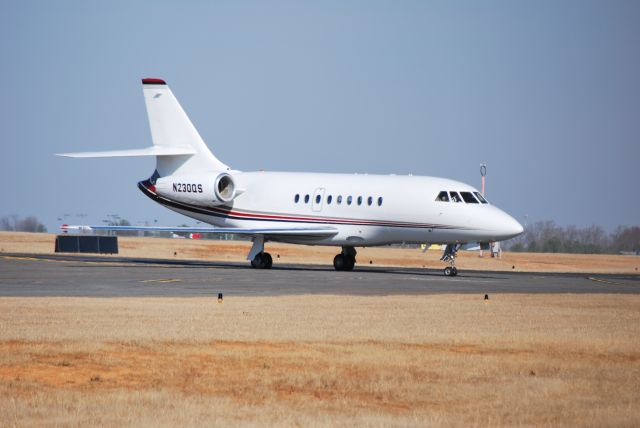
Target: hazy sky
(547, 93)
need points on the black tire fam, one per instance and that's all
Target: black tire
(255, 262)
(350, 262)
(447, 271)
(259, 261)
(268, 260)
(454, 271)
(339, 262)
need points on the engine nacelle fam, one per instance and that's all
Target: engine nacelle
(202, 189)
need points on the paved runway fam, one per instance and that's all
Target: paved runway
(48, 275)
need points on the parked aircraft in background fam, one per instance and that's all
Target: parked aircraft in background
(65, 228)
(344, 210)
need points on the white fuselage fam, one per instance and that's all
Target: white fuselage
(383, 209)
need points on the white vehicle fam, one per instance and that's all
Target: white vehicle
(344, 210)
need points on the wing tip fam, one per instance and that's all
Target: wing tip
(153, 81)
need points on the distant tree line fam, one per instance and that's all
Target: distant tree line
(548, 237)
(540, 237)
(17, 224)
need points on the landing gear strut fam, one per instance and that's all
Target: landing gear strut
(346, 260)
(449, 256)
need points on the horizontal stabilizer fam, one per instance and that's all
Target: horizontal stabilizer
(149, 151)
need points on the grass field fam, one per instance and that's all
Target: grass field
(560, 360)
(236, 251)
(432, 360)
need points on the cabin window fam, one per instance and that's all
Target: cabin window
(329, 199)
(339, 199)
(443, 196)
(349, 200)
(318, 199)
(468, 198)
(380, 201)
(297, 198)
(359, 200)
(480, 198)
(306, 199)
(369, 200)
(455, 197)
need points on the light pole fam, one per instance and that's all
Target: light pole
(483, 173)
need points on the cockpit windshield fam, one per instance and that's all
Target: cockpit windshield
(467, 197)
(480, 198)
(455, 197)
(443, 196)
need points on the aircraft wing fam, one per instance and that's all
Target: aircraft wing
(289, 232)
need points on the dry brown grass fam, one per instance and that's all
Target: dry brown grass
(236, 251)
(321, 360)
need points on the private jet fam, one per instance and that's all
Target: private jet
(342, 210)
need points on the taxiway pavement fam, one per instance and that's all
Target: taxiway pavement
(87, 276)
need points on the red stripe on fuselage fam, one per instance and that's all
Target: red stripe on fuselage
(256, 216)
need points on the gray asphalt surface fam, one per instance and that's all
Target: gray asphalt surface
(29, 275)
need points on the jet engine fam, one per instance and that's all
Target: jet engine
(201, 189)
(225, 187)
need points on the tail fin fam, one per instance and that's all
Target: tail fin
(171, 128)
(178, 147)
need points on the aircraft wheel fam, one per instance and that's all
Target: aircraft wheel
(454, 271)
(339, 262)
(448, 271)
(350, 262)
(262, 261)
(268, 260)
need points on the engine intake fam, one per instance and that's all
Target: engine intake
(225, 187)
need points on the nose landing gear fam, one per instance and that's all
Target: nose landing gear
(450, 271)
(449, 256)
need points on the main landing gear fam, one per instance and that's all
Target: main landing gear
(449, 256)
(259, 259)
(262, 261)
(346, 260)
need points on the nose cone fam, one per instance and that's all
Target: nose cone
(510, 227)
(494, 224)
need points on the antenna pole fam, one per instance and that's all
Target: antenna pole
(483, 174)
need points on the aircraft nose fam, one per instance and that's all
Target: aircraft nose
(511, 227)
